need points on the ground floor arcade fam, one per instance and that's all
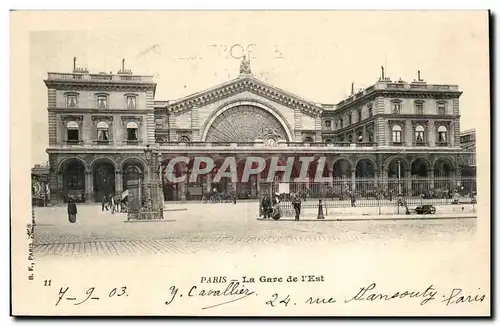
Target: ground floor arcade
(88, 178)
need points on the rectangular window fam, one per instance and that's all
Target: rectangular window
(396, 136)
(159, 122)
(73, 135)
(360, 116)
(441, 108)
(102, 102)
(419, 108)
(132, 134)
(350, 119)
(396, 107)
(71, 102)
(131, 102)
(370, 111)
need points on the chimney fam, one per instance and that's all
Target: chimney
(74, 64)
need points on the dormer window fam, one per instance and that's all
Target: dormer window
(71, 101)
(102, 101)
(396, 107)
(131, 102)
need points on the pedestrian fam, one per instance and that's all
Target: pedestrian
(112, 204)
(296, 205)
(103, 202)
(353, 199)
(266, 205)
(71, 211)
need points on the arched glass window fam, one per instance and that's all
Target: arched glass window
(184, 139)
(308, 140)
(442, 134)
(328, 140)
(397, 133)
(132, 131)
(419, 134)
(73, 133)
(102, 131)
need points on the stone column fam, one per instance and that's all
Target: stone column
(209, 182)
(118, 182)
(60, 186)
(408, 181)
(89, 186)
(431, 178)
(353, 180)
(258, 184)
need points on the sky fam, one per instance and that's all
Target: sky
(316, 55)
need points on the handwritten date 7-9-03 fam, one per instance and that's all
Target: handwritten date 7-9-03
(91, 293)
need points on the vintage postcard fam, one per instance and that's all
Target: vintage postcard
(250, 163)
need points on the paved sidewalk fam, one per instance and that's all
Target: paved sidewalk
(222, 227)
(387, 217)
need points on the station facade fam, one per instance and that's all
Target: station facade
(100, 125)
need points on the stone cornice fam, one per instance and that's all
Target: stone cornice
(372, 93)
(78, 85)
(102, 118)
(71, 117)
(245, 84)
(131, 118)
(98, 111)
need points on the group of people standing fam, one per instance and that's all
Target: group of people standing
(271, 208)
(110, 202)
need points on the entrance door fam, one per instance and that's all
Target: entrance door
(104, 180)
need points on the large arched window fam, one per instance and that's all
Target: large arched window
(184, 139)
(419, 134)
(73, 132)
(442, 134)
(102, 132)
(308, 140)
(132, 131)
(397, 133)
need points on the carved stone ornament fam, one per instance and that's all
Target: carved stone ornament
(67, 118)
(136, 119)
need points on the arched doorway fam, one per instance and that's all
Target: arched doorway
(104, 179)
(73, 173)
(365, 178)
(171, 189)
(397, 174)
(132, 170)
(342, 183)
(443, 175)
(421, 183)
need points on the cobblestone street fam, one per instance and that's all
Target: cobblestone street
(221, 227)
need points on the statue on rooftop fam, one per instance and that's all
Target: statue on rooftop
(245, 66)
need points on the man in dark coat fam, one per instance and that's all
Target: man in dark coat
(266, 206)
(71, 211)
(103, 202)
(296, 202)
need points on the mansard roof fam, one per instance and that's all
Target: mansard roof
(240, 84)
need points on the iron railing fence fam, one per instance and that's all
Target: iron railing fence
(381, 192)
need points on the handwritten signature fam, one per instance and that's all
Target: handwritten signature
(235, 290)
